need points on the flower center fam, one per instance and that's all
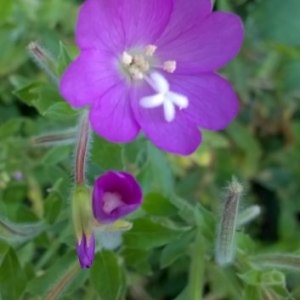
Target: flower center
(111, 201)
(138, 63)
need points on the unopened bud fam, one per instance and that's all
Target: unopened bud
(82, 212)
(43, 60)
(225, 244)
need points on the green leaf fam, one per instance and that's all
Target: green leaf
(185, 210)
(56, 278)
(46, 99)
(60, 111)
(290, 76)
(10, 127)
(157, 175)
(147, 234)
(266, 278)
(107, 276)
(252, 292)
(137, 259)
(5, 9)
(53, 203)
(278, 20)
(12, 277)
(106, 155)
(41, 96)
(158, 205)
(135, 153)
(174, 250)
(246, 142)
(11, 56)
(57, 155)
(64, 58)
(14, 233)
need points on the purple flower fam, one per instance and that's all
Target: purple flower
(86, 251)
(115, 195)
(149, 65)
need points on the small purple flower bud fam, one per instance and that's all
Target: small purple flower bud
(86, 251)
(115, 195)
(18, 175)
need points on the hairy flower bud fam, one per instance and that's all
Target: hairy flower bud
(225, 244)
(83, 225)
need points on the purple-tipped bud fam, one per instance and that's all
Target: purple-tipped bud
(86, 251)
(83, 225)
(115, 195)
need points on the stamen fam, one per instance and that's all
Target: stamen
(150, 50)
(126, 58)
(169, 66)
(136, 72)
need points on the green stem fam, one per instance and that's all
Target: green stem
(81, 150)
(196, 276)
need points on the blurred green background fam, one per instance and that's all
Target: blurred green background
(261, 147)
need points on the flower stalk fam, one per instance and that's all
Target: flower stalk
(82, 150)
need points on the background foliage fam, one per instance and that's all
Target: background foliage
(168, 254)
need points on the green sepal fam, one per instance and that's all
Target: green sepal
(82, 211)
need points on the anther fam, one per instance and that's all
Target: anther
(169, 66)
(150, 50)
(126, 58)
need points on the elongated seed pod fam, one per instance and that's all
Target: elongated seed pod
(225, 243)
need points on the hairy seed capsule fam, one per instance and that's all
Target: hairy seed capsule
(225, 244)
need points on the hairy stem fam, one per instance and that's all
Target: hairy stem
(82, 149)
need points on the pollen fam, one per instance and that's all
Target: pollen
(138, 63)
(126, 58)
(150, 50)
(169, 66)
(135, 65)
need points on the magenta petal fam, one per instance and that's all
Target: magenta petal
(115, 24)
(207, 46)
(144, 20)
(88, 77)
(180, 136)
(111, 117)
(122, 184)
(99, 26)
(184, 15)
(212, 102)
